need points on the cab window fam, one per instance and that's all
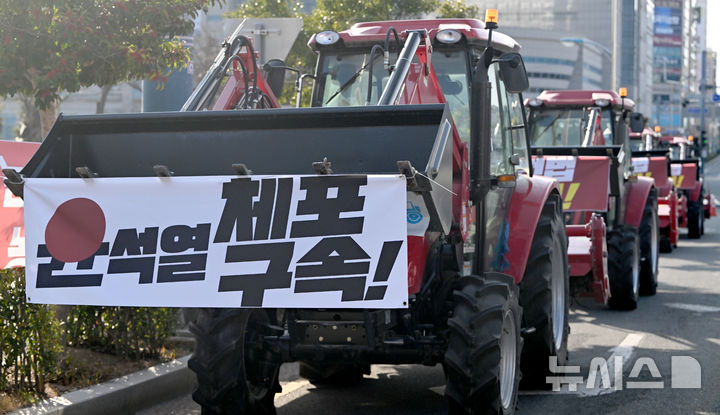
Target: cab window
(500, 126)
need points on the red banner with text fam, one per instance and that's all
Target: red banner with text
(684, 175)
(654, 167)
(583, 180)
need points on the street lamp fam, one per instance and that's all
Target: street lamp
(582, 42)
(569, 41)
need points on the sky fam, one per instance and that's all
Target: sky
(713, 29)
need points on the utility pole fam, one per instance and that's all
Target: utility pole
(615, 44)
(703, 87)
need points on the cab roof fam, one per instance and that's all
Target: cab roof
(472, 29)
(645, 131)
(678, 139)
(583, 98)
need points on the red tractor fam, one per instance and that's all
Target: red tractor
(487, 272)
(584, 136)
(695, 202)
(650, 161)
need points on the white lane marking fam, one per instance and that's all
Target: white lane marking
(698, 308)
(623, 352)
(711, 340)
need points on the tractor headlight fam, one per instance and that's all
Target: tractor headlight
(327, 37)
(448, 36)
(602, 102)
(535, 102)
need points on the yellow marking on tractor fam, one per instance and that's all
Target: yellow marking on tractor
(677, 180)
(568, 197)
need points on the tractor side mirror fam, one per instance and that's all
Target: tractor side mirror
(637, 122)
(275, 75)
(512, 72)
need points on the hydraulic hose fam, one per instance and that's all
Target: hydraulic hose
(398, 46)
(370, 71)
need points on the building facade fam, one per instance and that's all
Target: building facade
(623, 29)
(679, 40)
(555, 60)
(636, 51)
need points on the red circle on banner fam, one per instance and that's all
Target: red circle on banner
(76, 230)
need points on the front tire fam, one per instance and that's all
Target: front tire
(544, 293)
(665, 244)
(484, 346)
(649, 247)
(623, 267)
(696, 220)
(235, 372)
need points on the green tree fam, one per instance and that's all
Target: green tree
(51, 46)
(458, 9)
(268, 8)
(340, 15)
(329, 15)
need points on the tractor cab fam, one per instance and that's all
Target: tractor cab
(681, 148)
(439, 56)
(644, 141)
(583, 119)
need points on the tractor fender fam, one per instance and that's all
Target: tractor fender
(696, 191)
(526, 204)
(637, 192)
(664, 191)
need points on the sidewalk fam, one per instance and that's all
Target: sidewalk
(124, 395)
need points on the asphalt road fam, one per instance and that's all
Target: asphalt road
(668, 330)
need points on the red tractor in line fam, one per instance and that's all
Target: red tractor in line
(650, 161)
(695, 201)
(436, 101)
(585, 137)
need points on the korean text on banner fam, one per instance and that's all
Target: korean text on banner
(260, 241)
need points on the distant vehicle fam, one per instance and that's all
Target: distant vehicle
(592, 126)
(651, 161)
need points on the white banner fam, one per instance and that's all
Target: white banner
(640, 164)
(259, 241)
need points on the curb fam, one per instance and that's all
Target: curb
(123, 395)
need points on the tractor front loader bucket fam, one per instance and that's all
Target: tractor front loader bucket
(685, 173)
(656, 165)
(352, 140)
(587, 176)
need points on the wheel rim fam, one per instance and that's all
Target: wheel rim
(558, 296)
(636, 271)
(654, 247)
(258, 381)
(508, 357)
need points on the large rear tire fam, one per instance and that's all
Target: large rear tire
(623, 267)
(649, 247)
(544, 293)
(235, 372)
(484, 346)
(696, 220)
